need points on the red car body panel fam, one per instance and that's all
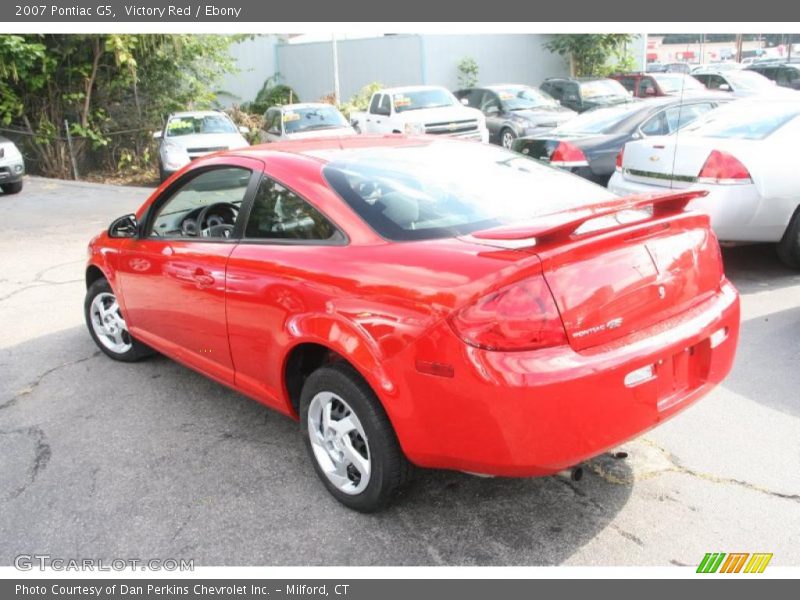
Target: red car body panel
(235, 311)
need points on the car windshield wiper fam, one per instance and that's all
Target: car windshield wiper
(321, 126)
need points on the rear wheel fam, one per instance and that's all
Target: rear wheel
(350, 440)
(789, 246)
(12, 188)
(507, 137)
(107, 325)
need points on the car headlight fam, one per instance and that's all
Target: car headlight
(414, 128)
(175, 155)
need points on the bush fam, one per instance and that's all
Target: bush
(271, 94)
(360, 101)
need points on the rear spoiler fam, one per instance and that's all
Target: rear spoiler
(561, 225)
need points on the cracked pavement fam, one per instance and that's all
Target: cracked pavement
(150, 460)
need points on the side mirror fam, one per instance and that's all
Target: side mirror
(157, 135)
(465, 102)
(650, 91)
(492, 110)
(637, 135)
(124, 227)
(724, 87)
(244, 130)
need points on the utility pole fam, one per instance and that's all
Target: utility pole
(336, 95)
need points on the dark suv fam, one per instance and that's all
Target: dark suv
(583, 93)
(784, 74)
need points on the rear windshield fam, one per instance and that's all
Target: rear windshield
(745, 121)
(600, 120)
(443, 189)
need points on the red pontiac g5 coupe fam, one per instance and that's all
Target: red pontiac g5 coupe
(421, 301)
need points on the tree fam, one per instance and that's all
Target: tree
(467, 72)
(588, 53)
(102, 84)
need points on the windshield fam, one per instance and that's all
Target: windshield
(416, 100)
(312, 118)
(745, 121)
(599, 120)
(522, 98)
(188, 125)
(602, 88)
(749, 80)
(675, 83)
(444, 189)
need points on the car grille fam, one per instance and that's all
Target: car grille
(205, 150)
(452, 127)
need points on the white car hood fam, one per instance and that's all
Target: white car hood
(441, 114)
(209, 140)
(320, 133)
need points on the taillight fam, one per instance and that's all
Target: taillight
(568, 155)
(620, 156)
(521, 316)
(721, 167)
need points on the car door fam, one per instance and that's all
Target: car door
(286, 238)
(380, 110)
(572, 96)
(493, 109)
(274, 125)
(172, 276)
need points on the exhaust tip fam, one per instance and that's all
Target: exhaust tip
(573, 474)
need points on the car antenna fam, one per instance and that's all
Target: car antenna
(677, 132)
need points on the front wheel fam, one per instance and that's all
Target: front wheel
(789, 246)
(12, 188)
(507, 137)
(350, 440)
(107, 325)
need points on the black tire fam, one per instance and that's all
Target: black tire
(136, 351)
(11, 188)
(390, 469)
(789, 246)
(507, 132)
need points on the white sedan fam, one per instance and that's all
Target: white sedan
(745, 155)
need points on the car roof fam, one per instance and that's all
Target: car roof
(324, 149)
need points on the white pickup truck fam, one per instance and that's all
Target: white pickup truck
(423, 109)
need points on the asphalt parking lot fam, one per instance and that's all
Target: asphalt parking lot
(151, 460)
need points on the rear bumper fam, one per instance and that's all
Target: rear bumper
(737, 212)
(538, 412)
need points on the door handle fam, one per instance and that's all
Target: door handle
(203, 279)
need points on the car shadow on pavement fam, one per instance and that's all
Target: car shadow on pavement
(106, 459)
(766, 368)
(756, 267)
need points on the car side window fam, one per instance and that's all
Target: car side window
(373, 106)
(791, 74)
(474, 98)
(275, 122)
(280, 214)
(646, 83)
(385, 107)
(629, 83)
(679, 116)
(490, 102)
(655, 125)
(206, 206)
